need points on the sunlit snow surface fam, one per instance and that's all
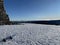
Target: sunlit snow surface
(30, 34)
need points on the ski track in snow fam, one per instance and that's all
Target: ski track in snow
(30, 34)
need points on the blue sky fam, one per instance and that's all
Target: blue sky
(33, 9)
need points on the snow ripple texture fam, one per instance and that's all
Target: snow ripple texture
(30, 34)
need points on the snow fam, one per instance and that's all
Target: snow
(30, 34)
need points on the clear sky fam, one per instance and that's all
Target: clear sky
(32, 9)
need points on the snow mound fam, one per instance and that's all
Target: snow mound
(30, 34)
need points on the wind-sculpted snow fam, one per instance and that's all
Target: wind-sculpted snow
(29, 34)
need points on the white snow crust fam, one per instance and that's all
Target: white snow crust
(30, 34)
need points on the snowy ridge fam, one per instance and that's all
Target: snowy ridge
(30, 34)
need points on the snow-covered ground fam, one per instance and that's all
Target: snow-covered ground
(30, 34)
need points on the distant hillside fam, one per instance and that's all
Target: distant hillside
(49, 22)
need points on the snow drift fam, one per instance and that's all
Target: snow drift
(30, 34)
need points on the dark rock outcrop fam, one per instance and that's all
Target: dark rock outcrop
(4, 19)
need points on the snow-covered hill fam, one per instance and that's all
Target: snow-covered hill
(30, 34)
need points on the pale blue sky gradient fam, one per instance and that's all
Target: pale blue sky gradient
(33, 9)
